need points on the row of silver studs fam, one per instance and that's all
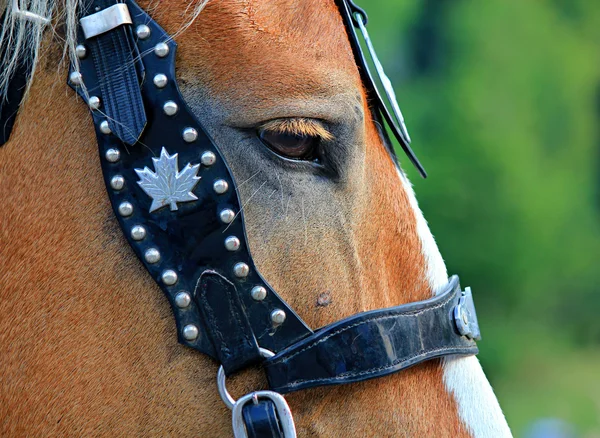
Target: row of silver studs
(117, 182)
(169, 277)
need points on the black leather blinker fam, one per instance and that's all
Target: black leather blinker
(164, 192)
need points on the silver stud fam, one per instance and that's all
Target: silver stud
(208, 158)
(94, 102)
(125, 209)
(142, 31)
(227, 216)
(104, 128)
(152, 255)
(278, 316)
(170, 108)
(190, 332)
(160, 80)
(241, 270)
(76, 78)
(190, 135)
(161, 50)
(169, 277)
(81, 51)
(117, 182)
(112, 155)
(232, 243)
(220, 186)
(182, 300)
(138, 233)
(258, 293)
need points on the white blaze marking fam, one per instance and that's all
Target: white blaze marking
(478, 407)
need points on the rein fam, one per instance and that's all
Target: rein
(178, 205)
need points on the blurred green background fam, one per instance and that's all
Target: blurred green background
(502, 100)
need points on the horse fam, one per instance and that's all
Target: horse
(87, 339)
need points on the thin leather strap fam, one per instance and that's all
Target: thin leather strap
(347, 9)
(372, 344)
(226, 322)
(261, 420)
(115, 58)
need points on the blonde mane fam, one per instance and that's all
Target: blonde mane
(21, 39)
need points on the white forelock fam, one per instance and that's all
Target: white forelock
(478, 407)
(21, 39)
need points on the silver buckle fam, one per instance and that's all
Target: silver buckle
(465, 316)
(284, 414)
(27, 15)
(105, 20)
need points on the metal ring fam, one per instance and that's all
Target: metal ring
(221, 386)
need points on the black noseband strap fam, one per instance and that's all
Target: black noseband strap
(178, 205)
(372, 344)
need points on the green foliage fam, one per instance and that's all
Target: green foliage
(502, 99)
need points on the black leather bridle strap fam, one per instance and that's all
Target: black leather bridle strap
(118, 68)
(348, 9)
(261, 421)
(372, 344)
(226, 322)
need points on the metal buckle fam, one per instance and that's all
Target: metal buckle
(284, 414)
(105, 20)
(465, 316)
(27, 15)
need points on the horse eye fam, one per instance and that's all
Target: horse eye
(293, 146)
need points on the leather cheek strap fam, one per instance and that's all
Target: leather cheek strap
(261, 420)
(226, 322)
(372, 344)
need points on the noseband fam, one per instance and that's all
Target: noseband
(178, 205)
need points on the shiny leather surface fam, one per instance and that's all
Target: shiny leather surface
(372, 344)
(190, 239)
(122, 73)
(191, 242)
(379, 109)
(261, 420)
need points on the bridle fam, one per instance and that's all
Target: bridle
(178, 205)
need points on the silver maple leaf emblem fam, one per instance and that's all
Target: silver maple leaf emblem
(168, 186)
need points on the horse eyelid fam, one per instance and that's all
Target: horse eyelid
(298, 126)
